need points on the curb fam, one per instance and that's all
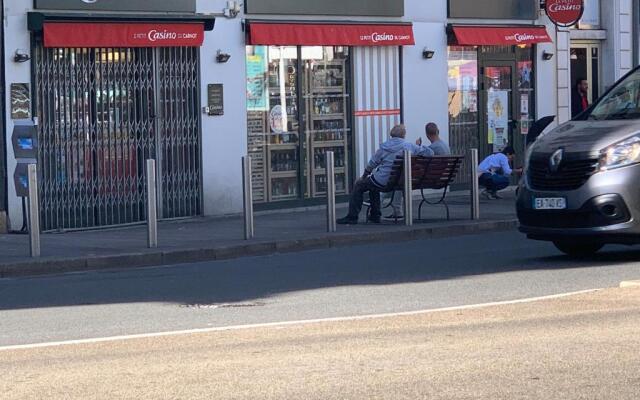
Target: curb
(149, 258)
(629, 284)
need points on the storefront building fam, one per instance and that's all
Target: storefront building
(108, 91)
(318, 86)
(284, 82)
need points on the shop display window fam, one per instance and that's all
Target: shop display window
(297, 110)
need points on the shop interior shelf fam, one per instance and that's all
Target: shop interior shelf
(283, 146)
(327, 116)
(329, 89)
(334, 143)
(323, 171)
(283, 174)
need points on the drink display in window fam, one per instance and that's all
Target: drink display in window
(286, 168)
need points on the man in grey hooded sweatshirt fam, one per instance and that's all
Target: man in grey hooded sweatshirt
(377, 175)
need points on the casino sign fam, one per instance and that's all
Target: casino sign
(564, 13)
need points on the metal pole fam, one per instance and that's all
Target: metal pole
(331, 193)
(34, 211)
(408, 190)
(247, 198)
(475, 186)
(152, 205)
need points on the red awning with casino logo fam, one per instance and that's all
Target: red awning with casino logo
(320, 34)
(466, 35)
(107, 34)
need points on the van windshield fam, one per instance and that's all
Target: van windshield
(623, 102)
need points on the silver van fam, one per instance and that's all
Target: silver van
(581, 186)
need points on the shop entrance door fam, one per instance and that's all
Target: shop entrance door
(497, 105)
(585, 64)
(102, 112)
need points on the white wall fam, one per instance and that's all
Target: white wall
(547, 79)
(425, 81)
(16, 37)
(224, 138)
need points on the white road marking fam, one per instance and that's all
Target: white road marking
(290, 323)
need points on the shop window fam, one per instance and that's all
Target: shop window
(463, 99)
(298, 108)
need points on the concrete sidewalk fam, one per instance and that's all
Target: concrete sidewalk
(206, 239)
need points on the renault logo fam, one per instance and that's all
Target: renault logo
(555, 160)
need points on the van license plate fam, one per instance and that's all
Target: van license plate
(550, 203)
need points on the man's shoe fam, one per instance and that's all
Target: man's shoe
(374, 220)
(393, 217)
(489, 195)
(347, 221)
(496, 195)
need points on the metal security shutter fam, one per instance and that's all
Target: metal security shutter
(102, 112)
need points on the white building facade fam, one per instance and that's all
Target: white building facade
(283, 82)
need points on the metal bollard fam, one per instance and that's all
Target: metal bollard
(331, 192)
(34, 211)
(152, 205)
(475, 186)
(247, 198)
(408, 190)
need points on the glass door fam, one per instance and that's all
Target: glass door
(326, 97)
(497, 103)
(273, 122)
(585, 64)
(297, 109)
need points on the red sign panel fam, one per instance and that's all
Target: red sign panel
(58, 34)
(564, 12)
(330, 35)
(499, 35)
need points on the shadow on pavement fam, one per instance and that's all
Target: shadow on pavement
(256, 278)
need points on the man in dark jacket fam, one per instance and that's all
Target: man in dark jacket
(579, 97)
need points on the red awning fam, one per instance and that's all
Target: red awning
(499, 35)
(82, 34)
(298, 34)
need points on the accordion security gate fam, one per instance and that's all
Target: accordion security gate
(101, 113)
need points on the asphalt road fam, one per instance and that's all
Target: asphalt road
(311, 285)
(577, 347)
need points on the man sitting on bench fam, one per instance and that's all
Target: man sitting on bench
(376, 176)
(437, 147)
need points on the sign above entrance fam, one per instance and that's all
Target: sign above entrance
(499, 35)
(58, 34)
(564, 13)
(264, 33)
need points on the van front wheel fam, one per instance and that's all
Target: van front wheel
(578, 249)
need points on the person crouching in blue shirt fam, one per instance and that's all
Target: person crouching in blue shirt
(376, 176)
(495, 171)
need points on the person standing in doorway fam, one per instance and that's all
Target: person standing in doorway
(579, 97)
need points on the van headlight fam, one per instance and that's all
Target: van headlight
(621, 154)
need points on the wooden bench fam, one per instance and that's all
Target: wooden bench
(434, 173)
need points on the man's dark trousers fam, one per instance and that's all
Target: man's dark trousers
(493, 182)
(361, 186)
